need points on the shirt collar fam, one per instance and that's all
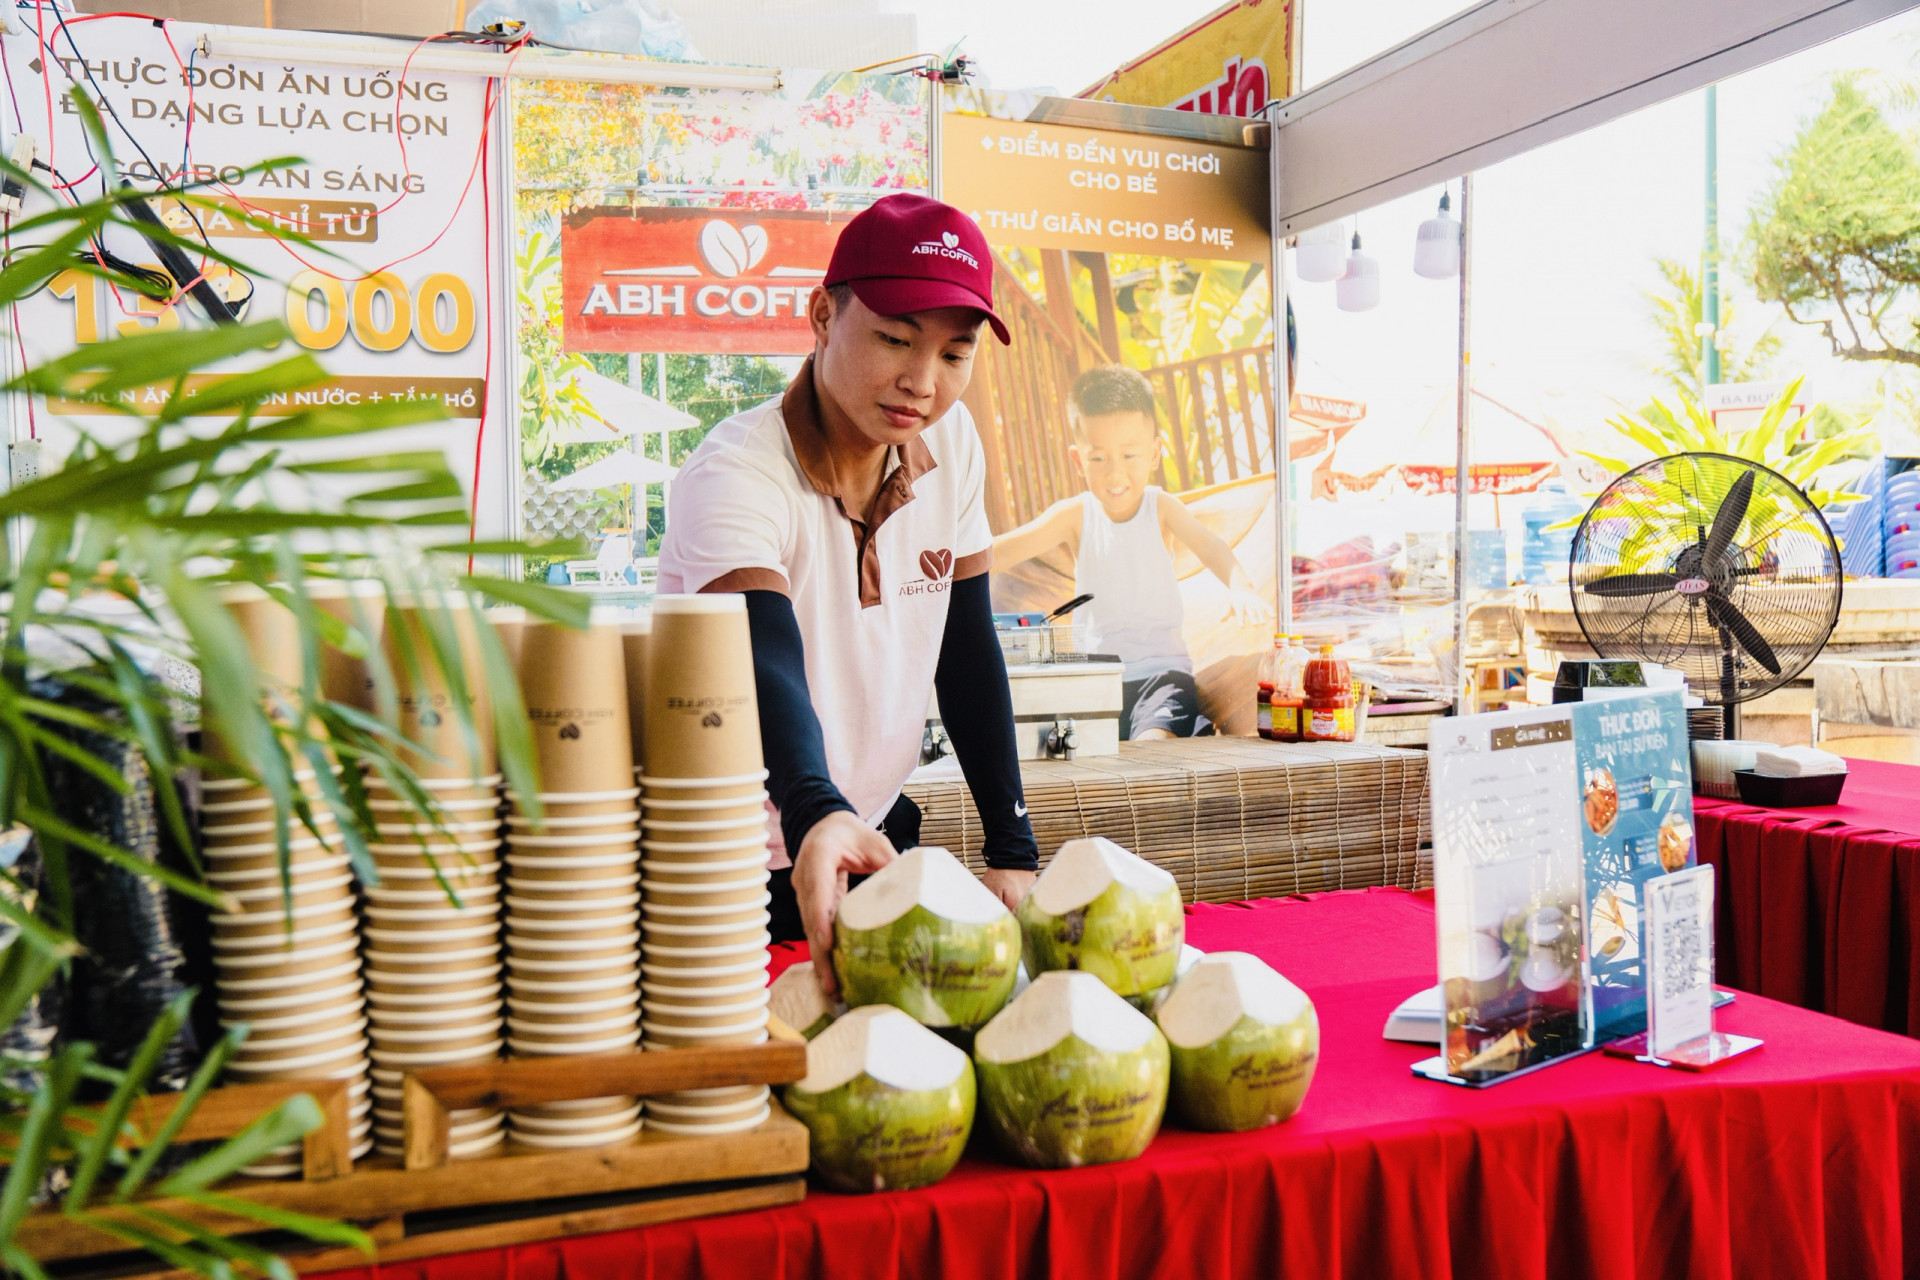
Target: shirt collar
(800, 409)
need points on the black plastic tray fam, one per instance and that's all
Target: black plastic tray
(1789, 793)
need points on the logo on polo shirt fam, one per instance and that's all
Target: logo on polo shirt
(948, 246)
(938, 568)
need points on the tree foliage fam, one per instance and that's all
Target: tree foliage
(1836, 239)
(1678, 311)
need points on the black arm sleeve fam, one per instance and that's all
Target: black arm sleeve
(790, 738)
(976, 706)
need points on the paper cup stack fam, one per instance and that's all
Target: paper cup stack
(433, 960)
(703, 888)
(287, 958)
(572, 894)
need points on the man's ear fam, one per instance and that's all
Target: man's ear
(819, 313)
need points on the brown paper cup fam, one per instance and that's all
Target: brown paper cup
(551, 1046)
(559, 946)
(572, 927)
(312, 982)
(623, 1118)
(433, 1039)
(700, 718)
(510, 624)
(547, 968)
(438, 938)
(246, 828)
(612, 827)
(578, 1027)
(322, 892)
(412, 1059)
(708, 934)
(271, 961)
(709, 1128)
(673, 804)
(575, 686)
(551, 1010)
(696, 911)
(602, 890)
(730, 1098)
(478, 978)
(720, 895)
(305, 872)
(696, 1012)
(746, 1031)
(360, 604)
(401, 874)
(426, 893)
(267, 923)
(702, 830)
(444, 791)
(416, 626)
(454, 1017)
(289, 1042)
(581, 804)
(563, 989)
(317, 1019)
(705, 851)
(691, 877)
(305, 1066)
(530, 844)
(715, 971)
(298, 940)
(424, 998)
(731, 790)
(635, 636)
(295, 1004)
(528, 865)
(430, 961)
(567, 1141)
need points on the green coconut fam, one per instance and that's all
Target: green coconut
(924, 935)
(888, 1104)
(1071, 1074)
(1149, 1002)
(1101, 909)
(1244, 1042)
(795, 998)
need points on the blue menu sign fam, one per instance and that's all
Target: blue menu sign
(1636, 810)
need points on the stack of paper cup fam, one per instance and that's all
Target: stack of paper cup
(286, 956)
(432, 923)
(704, 853)
(572, 894)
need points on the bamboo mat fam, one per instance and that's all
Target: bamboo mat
(1231, 818)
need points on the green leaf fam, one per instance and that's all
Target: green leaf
(321, 1230)
(287, 1123)
(203, 1077)
(44, 822)
(50, 1102)
(565, 549)
(569, 608)
(113, 1116)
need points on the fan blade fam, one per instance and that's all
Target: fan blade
(1726, 614)
(1632, 584)
(1726, 522)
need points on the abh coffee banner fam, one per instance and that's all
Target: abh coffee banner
(733, 281)
(387, 184)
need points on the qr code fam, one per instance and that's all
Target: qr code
(1681, 969)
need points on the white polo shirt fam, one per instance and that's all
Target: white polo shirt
(758, 507)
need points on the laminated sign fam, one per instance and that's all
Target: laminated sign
(1549, 824)
(693, 280)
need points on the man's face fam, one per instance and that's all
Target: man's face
(1118, 454)
(893, 376)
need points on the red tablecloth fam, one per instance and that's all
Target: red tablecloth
(1790, 1162)
(1818, 907)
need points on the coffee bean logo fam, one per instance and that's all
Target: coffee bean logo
(430, 718)
(711, 720)
(570, 730)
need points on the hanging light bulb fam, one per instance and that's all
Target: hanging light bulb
(1359, 288)
(1316, 255)
(1436, 250)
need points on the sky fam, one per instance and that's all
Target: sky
(1565, 237)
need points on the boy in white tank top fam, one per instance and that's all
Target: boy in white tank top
(1118, 533)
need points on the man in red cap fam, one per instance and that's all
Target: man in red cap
(851, 514)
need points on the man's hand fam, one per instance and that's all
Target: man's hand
(1008, 885)
(839, 844)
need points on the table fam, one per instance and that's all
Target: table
(1788, 1162)
(1820, 907)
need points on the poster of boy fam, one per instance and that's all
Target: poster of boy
(1121, 533)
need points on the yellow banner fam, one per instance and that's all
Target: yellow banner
(1232, 62)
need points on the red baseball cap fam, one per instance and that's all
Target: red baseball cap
(908, 253)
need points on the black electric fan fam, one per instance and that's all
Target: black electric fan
(1714, 565)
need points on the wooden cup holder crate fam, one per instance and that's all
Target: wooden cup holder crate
(525, 1195)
